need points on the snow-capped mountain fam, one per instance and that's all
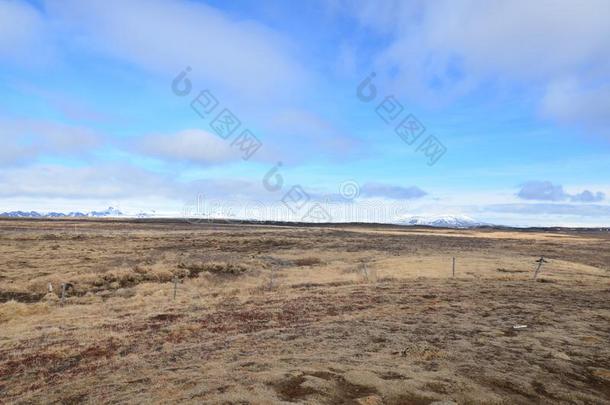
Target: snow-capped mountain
(107, 213)
(441, 221)
(22, 214)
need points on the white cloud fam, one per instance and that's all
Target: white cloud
(570, 101)
(392, 191)
(72, 107)
(547, 191)
(515, 38)
(27, 139)
(11, 152)
(165, 36)
(192, 145)
(299, 133)
(588, 196)
(542, 191)
(61, 188)
(22, 29)
(601, 212)
(445, 49)
(522, 38)
(111, 182)
(54, 181)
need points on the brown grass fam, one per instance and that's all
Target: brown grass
(307, 261)
(403, 331)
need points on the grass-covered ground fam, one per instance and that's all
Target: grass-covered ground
(265, 314)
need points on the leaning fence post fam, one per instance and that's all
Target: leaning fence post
(540, 262)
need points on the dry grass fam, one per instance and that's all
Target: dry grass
(194, 269)
(307, 261)
(355, 315)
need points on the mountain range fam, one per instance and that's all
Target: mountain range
(107, 213)
(441, 221)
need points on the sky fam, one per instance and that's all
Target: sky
(362, 110)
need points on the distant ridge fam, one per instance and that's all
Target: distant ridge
(442, 221)
(433, 221)
(449, 222)
(110, 212)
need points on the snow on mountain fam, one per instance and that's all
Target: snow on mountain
(21, 214)
(107, 213)
(441, 221)
(144, 215)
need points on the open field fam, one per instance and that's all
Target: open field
(278, 314)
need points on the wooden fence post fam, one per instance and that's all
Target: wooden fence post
(540, 262)
(63, 293)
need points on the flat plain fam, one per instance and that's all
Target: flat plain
(168, 311)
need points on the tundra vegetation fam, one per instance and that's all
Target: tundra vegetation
(165, 311)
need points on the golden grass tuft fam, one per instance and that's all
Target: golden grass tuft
(13, 310)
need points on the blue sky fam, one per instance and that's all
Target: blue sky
(516, 94)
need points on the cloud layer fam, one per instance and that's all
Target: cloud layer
(514, 87)
(446, 49)
(24, 140)
(547, 191)
(23, 29)
(195, 146)
(391, 191)
(165, 36)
